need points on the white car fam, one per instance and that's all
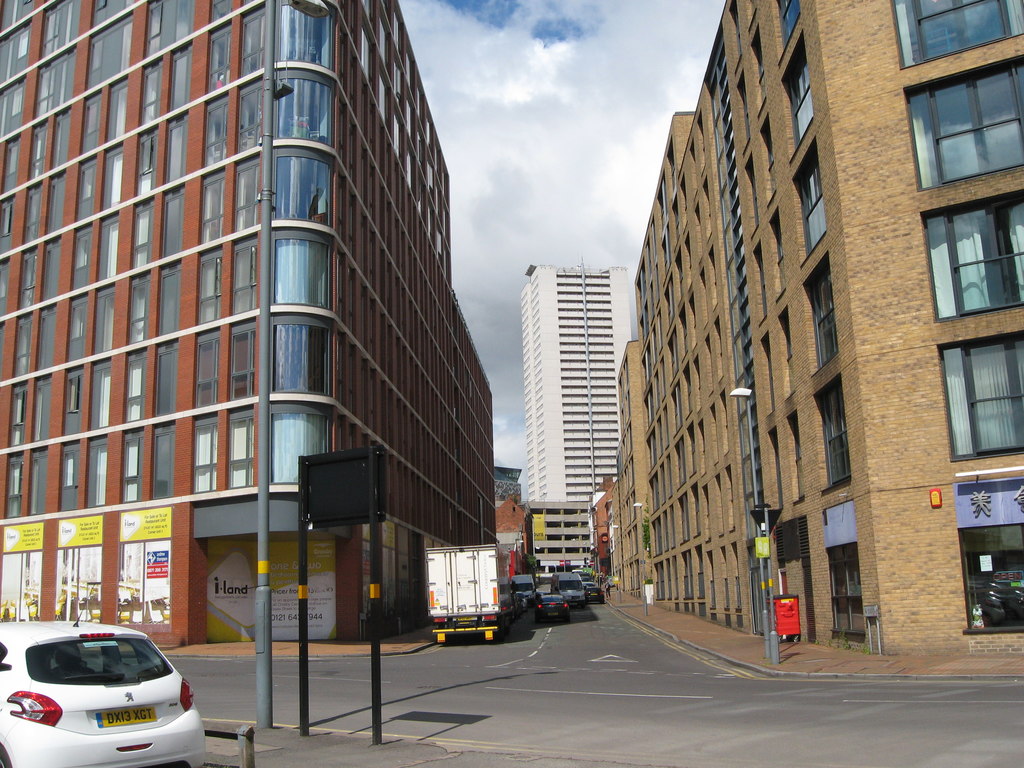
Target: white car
(92, 696)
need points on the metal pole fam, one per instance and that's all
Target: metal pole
(264, 648)
(757, 503)
(773, 635)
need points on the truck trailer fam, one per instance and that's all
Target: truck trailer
(469, 591)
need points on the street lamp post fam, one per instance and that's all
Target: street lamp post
(771, 636)
(264, 329)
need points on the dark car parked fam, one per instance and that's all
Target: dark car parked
(593, 592)
(551, 606)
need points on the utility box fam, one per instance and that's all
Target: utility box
(787, 616)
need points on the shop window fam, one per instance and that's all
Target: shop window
(993, 558)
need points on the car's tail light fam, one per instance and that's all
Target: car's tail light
(36, 707)
(186, 698)
(95, 635)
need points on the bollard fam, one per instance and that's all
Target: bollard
(246, 747)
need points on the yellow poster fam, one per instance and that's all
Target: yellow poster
(538, 525)
(146, 524)
(81, 532)
(23, 538)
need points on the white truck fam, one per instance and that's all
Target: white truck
(469, 591)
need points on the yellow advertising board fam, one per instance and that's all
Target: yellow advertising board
(23, 538)
(146, 524)
(81, 532)
(538, 526)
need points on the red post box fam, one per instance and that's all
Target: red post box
(787, 616)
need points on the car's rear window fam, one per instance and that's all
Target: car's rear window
(96, 661)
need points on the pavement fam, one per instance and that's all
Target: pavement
(284, 747)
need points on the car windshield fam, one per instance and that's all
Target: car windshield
(96, 661)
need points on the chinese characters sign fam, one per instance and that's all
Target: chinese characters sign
(989, 502)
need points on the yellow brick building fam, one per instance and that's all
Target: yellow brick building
(838, 229)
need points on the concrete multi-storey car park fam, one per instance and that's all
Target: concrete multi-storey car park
(128, 282)
(838, 227)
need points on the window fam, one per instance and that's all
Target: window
(181, 72)
(73, 391)
(243, 288)
(109, 232)
(117, 111)
(935, 28)
(294, 435)
(28, 279)
(252, 43)
(847, 603)
(169, 22)
(61, 135)
(142, 247)
(33, 211)
(14, 53)
(207, 354)
(249, 119)
(170, 298)
(985, 397)
(977, 259)
(76, 329)
(306, 38)
(243, 361)
(100, 407)
(174, 221)
(55, 83)
(216, 131)
(55, 212)
(70, 469)
(47, 338)
(246, 192)
(135, 388)
(968, 127)
(132, 466)
(789, 13)
(103, 326)
(15, 467)
(37, 160)
(23, 345)
(833, 418)
(304, 189)
(177, 139)
(11, 153)
(301, 272)
(96, 483)
(811, 202)
(220, 57)
(823, 309)
(109, 52)
(301, 358)
(206, 456)
(992, 558)
(11, 104)
(19, 409)
(51, 269)
(209, 287)
(60, 25)
(798, 84)
(163, 462)
(37, 502)
(112, 169)
(41, 408)
(86, 188)
(80, 262)
(241, 450)
(151, 91)
(213, 207)
(306, 112)
(166, 379)
(147, 162)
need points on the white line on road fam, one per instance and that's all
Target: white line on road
(931, 701)
(598, 693)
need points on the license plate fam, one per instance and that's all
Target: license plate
(112, 718)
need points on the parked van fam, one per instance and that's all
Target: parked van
(570, 585)
(524, 584)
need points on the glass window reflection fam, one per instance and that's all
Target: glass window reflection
(304, 38)
(300, 272)
(300, 358)
(294, 435)
(303, 189)
(306, 112)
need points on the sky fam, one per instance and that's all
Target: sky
(553, 117)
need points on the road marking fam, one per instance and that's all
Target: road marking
(599, 693)
(930, 701)
(613, 657)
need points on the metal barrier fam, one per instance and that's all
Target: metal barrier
(246, 744)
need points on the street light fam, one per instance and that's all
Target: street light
(771, 636)
(645, 539)
(264, 650)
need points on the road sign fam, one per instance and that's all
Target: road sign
(342, 487)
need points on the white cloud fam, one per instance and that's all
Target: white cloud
(553, 117)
